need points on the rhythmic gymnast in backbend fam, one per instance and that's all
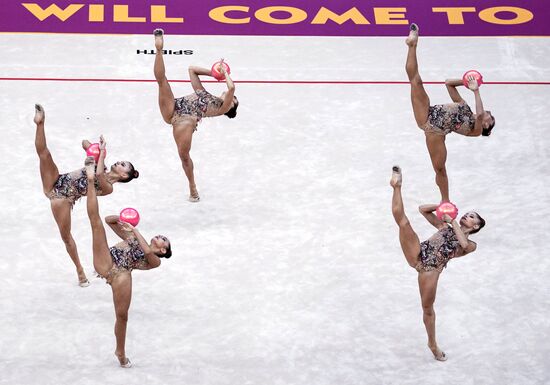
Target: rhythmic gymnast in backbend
(185, 113)
(116, 263)
(431, 256)
(439, 120)
(64, 190)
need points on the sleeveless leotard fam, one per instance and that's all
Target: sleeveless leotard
(72, 186)
(452, 117)
(436, 251)
(196, 106)
(126, 256)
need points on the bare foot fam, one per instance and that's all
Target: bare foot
(82, 280)
(193, 194)
(39, 114)
(123, 360)
(89, 163)
(159, 39)
(438, 353)
(412, 39)
(396, 177)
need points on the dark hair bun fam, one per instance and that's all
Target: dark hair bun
(136, 174)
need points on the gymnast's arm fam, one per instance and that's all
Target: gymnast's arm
(228, 97)
(474, 87)
(151, 257)
(466, 245)
(428, 212)
(451, 85)
(194, 73)
(116, 225)
(104, 185)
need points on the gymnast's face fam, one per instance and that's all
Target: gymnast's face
(470, 220)
(487, 119)
(160, 242)
(122, 168)
(233, 103)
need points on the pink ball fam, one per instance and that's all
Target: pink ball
(94, 151)
(446, 208)
(129, 215)
(473, 73)
(216, 72)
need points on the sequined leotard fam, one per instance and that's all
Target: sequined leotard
(126, 256)
(196, 106)
(436, 251)
(72, 186)
(452, 117)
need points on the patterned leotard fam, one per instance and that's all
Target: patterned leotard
(72, 186)
(126, 256)
(436, 251)
(452, 117)
(196, 106)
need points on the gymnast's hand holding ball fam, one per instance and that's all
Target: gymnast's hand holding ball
(129, 216)
(446, 208)
(447, 218)
(220, 69)
(472, 83)
(102, 143)
(472, 80)
(125, 226)
(95, 149)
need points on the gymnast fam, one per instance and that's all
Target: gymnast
(64, 190)
(431, 256)
(186, 112)
(439, 120)
(116, 263)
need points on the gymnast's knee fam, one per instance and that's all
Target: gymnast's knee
(162, 81)
(95, 222)
(440, 171)
(185, 156)
(67, 238)
(43, 152)
(428, 308)
(122, 316)
(400, 218)
(403, 222)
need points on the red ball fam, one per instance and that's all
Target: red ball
(446, 208)
(473, 73)
(129, 215)
(94, 151)
(216, 71)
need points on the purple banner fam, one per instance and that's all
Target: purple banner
(280, 17)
